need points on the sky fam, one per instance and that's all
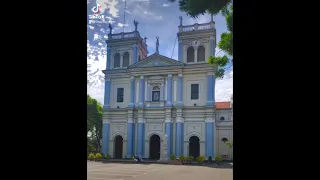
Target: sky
(156, 18)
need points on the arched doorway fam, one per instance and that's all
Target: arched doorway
(154, 147)
(194, 146)
(118, 147)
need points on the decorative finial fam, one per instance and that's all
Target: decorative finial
(110, 27)
(135, 24)
(180, 20)
(157, 45)
(145, 39)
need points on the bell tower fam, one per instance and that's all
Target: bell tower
(197, 42)
(125, 48)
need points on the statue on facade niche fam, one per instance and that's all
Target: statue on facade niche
(110, 27)
(135, 24)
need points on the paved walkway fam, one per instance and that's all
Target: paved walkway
(118, 171)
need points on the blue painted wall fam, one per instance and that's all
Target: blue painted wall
(141, 89)
(209, 140)
(212, 47)
(180, 91)
(130, 140)
(180, 52)
(107, 87)
(169, 91)
(140, 136)
(143, 135)
(178, 138)
(132, 85)
(133, 138)
(108, 58)
(168, 132)
(211, 89)
(135, 53)
(105, 138)
(182, 138)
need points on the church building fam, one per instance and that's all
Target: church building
(150, 97)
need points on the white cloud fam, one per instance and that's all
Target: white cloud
(159, 18)
(109, 5)
(165, 4)
(224, 87)
(121, 25)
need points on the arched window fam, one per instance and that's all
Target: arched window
(156, 93)
(116, 61)
(222, 119)
(125, 62)
(201, 54)
(190, 54)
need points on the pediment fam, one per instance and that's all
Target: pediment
(156, 60)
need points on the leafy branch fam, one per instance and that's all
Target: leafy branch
(220, 62)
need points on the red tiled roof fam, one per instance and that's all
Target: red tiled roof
(223, 105)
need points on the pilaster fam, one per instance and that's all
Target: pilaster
(169, 91)
(180, 90)
(132, 88)
(168, 124)
(107, 87)
(179, 132)
(105, 134)
(130, 133)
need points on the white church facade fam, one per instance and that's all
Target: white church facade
(148, 97)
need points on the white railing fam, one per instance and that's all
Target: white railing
(197, 27)
(123, 35)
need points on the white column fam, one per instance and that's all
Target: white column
(196, 54)
(166, 93)
(121, 60)
(161, 92)
(149, 92)
(145, 89)
(174, 91)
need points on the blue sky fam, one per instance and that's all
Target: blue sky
(156, 18)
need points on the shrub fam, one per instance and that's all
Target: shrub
(91, 156)
(218, 159)
(190, 158)
(201, 159)
(98, 156)
(182, 158)
(210, 159)
(229, 144)
(108, 156)
(172, 157)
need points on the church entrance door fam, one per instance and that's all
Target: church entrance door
(154, 147)
(118, 147)
(194, 146)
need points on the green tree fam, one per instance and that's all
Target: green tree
(194, 8)
(94, 124)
